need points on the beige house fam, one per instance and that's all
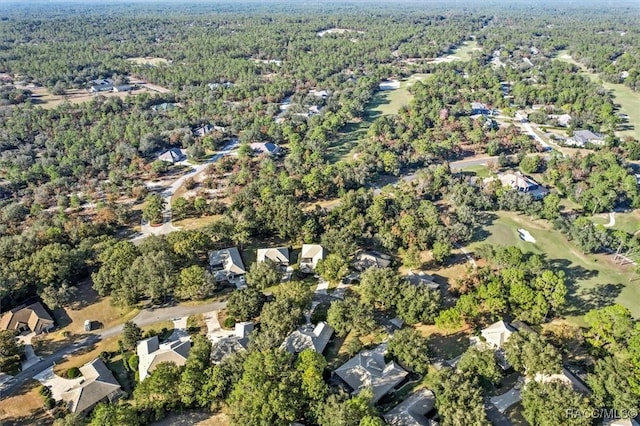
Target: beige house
(226, 264)
(151, 353)
(310, 255)
(22, 318)
(308, 337)
(98, 385)
(278, 255)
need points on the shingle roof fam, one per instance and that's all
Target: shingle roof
(412, 411)
(277, 255)
(368, 370)
(308, 337)
(151, 353)
(498, 333)
(368, 259)
(229, 258)
(33, 316)
(98, 384)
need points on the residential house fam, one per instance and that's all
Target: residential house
(524, 184)
(423, 279)
(173, 155)
(278, 255)
(368, 370)
(495, 336)
(151, 353)
(582, 137)
(319, 93)
(230, 345)
(122, 88)
(268, 148)
(308, 337)
(413, 411)
(226, 264)
(101, 85)
(203, 130)
(310, 255)
(164, 107)
(479, 108)
(621, 422)
(224, 85)
(371, 259)
(97, 385)
(566, 377)
(564, 120)
(23, 318)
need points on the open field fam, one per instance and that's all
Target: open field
(42, 97)
(195, 222)
(623, 96)
(24, 407)
(593, 281)
(148, 61)
(383, 102)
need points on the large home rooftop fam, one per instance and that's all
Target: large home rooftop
(369, 370)
(497, 334)
(413, 410)
(524, 184)
(173, 155)
(98, 385)
(33, 317)
(226, 264)
(422, 278)
(371, 259)
(278, 255)
(308, 337)
(151, 353)
(229, 345)
(310, 255)
(582, 137)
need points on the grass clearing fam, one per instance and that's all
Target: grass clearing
(195, 222)
(623, 96)
(42, 97)
(24, 407)
(594, 281)
(148, 61)
(479, 171)
(628, 222)
(446, 344)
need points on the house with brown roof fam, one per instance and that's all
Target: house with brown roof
(151, 353)
(97, 385)
(22, 318)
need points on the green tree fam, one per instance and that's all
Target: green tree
(530, 353)
(350, 314)
(417, 303)
(194, 283)
(546, 404)
(340, 410)
(481, 364)
(269, 392)
(262, 275)
(115, 415)
(131, 334)
(159, 391)
(245, 304)
(378, 287)
(411, 349)
(192, 379)
(10, 352)
(530, 164)
(614, 383)
(459, 400)
(153, 209)
(441, 251)
(333, 269)
(115, 261)
(609, 326)
(57, 297)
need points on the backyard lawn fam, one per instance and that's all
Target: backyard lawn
(594, 281)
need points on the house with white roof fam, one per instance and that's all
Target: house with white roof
(523, 184)
(97, 385)
(151, 353)
(368, 370)
(566, 377)
(414, 410)
(226, 264)
(494, 337)
(308, 337)
(310, 255)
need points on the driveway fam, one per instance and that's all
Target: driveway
(57, 384)
(214, 330)
(506, 400)
(29, 353)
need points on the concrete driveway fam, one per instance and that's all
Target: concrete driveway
(214, 330)
(57, 384)
(506, 400)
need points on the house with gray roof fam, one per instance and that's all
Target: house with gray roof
(368, 370)
(237, 342)
(173, 155)
(22, 318)
(268, 148)
(371, 259)
(421, 279)
(523, 184)
(226, 264)
(566, 377)
(310, 255)
(582, 137)
(278, 255)
(308, 337)
(97, 385)
(479, 108)
(151, 353)
(413, 411)
(203, 130)
(494, 337)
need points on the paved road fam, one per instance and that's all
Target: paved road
(146, 229)
(146, 317)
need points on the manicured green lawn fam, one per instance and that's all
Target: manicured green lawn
(623, 96)
(465, 50)
(479, 171)
(593, 280)
(628, 222)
